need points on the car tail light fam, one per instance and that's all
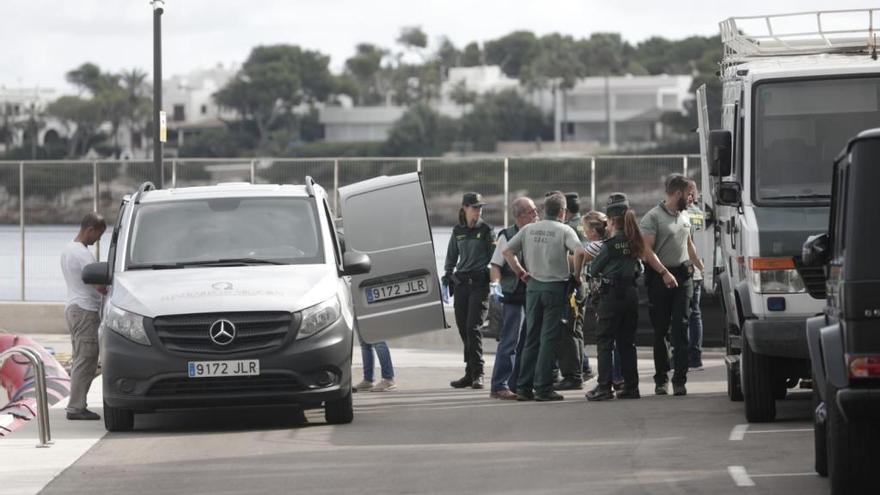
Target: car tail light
(864, 366)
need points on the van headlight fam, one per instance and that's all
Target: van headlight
(777, 282)
(319, 317)
(129, 325)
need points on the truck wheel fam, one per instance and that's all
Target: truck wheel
(116, 419)
(759, 395)
(820, 437)
(852, 451)
(339, 411)
(734, 386)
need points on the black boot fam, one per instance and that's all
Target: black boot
(463, 382)
(600, 393)
(477, 382)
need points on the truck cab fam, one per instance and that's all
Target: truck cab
(790, 102)
(844, 341)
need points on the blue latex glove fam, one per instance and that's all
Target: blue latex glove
(444, 293)
(495, 292)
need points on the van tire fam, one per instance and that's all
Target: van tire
(852, 451)
(820, 438)
(757, 376)
(116, 419)
(339, 411)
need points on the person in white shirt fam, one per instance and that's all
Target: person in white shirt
(82, 312)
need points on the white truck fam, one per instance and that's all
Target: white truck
(796, 87)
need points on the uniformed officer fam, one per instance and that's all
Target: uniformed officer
(469, 252)
(672, 257)
(695, 323)
(616, 267)
(570, 353)
(545, 246)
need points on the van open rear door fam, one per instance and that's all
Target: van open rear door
(386, 218)
(706, 241)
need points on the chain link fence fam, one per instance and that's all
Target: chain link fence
(42, 203)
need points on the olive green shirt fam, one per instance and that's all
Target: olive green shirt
(615, 259)
(470, 249)
(545, 245)
(671, 232)
(575, 223)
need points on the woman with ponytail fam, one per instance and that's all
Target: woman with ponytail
(616, 267)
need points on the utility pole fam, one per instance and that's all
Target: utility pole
(158, 124)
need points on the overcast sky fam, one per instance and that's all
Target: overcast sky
(42, 39)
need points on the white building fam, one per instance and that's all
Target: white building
(18, 105)
(189, 104)
(350, 124)
(620, 109)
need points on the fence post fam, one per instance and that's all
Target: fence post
(418, 165)
(592, 182)
(336, 186)
(95, 205)
(253, 171)
(21, 220)
(506, 190)
(684, 164)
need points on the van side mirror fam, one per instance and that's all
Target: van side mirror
(728, 194)
(720, 153)
(96, 274)
(356, 263)
(815, 250)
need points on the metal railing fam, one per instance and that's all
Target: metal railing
(42, 202)
(40, 388)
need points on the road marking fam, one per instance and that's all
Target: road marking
(789, 430)
(782, 475)
(738, 432)
(740, 476)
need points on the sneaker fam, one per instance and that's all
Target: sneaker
(629, 393)
(525, 395)
(477, 383)
(661, 389)
(503, 394)
(85, 414)
(463, 382)
(569, 384)
(384, 386)
(549, 397)
(679, 389)
(600, 393)
(363, 385)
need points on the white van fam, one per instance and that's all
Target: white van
(244, 294)
(792, 97)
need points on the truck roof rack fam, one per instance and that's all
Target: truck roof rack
(146, 186)
(800, 33)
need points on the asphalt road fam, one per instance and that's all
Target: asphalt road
(428, 438)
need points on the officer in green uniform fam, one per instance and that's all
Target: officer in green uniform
(545, 246)
(470, 250)
(570, 354)
(617, 266)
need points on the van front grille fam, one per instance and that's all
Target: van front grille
(254, 331)
(241, 385)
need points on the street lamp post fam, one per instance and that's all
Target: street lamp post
(159, 170)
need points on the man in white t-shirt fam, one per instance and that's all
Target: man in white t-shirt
(82, 312)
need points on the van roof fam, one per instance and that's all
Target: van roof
(225, 190)
(806, 65)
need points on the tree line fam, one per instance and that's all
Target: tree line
(279, 88)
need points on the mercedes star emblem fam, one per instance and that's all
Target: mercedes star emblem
(222, 332)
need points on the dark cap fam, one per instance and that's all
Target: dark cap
(572, 201)
(472, 199)
(617, 205)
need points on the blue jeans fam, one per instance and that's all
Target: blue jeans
(384, 360)
(502, 372)
(695, 328)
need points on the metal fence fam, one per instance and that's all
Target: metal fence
(41, 202)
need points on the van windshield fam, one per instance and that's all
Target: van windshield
(801, 127)
(224, 232)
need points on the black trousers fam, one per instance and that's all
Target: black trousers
(670, 311)
(471, 307)
(618, 314)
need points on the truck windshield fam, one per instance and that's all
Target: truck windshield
(801, 126)
(224, 232)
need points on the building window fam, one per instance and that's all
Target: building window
(204, 109)
(569, 128)
(179, 113)
(136, 140)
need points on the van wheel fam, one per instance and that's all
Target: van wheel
(339, 411)
(820, 437)
(734, 386)
(852, 451)
(116, 419)
(759, 395)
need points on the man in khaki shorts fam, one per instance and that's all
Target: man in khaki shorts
(82, 312)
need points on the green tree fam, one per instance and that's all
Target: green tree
(512, 52)
(364, 69)
(81, 117)
(273, 81)
(472, 56)
(420, 131)
(503, 116)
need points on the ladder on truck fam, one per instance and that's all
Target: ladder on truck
(801, 33)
